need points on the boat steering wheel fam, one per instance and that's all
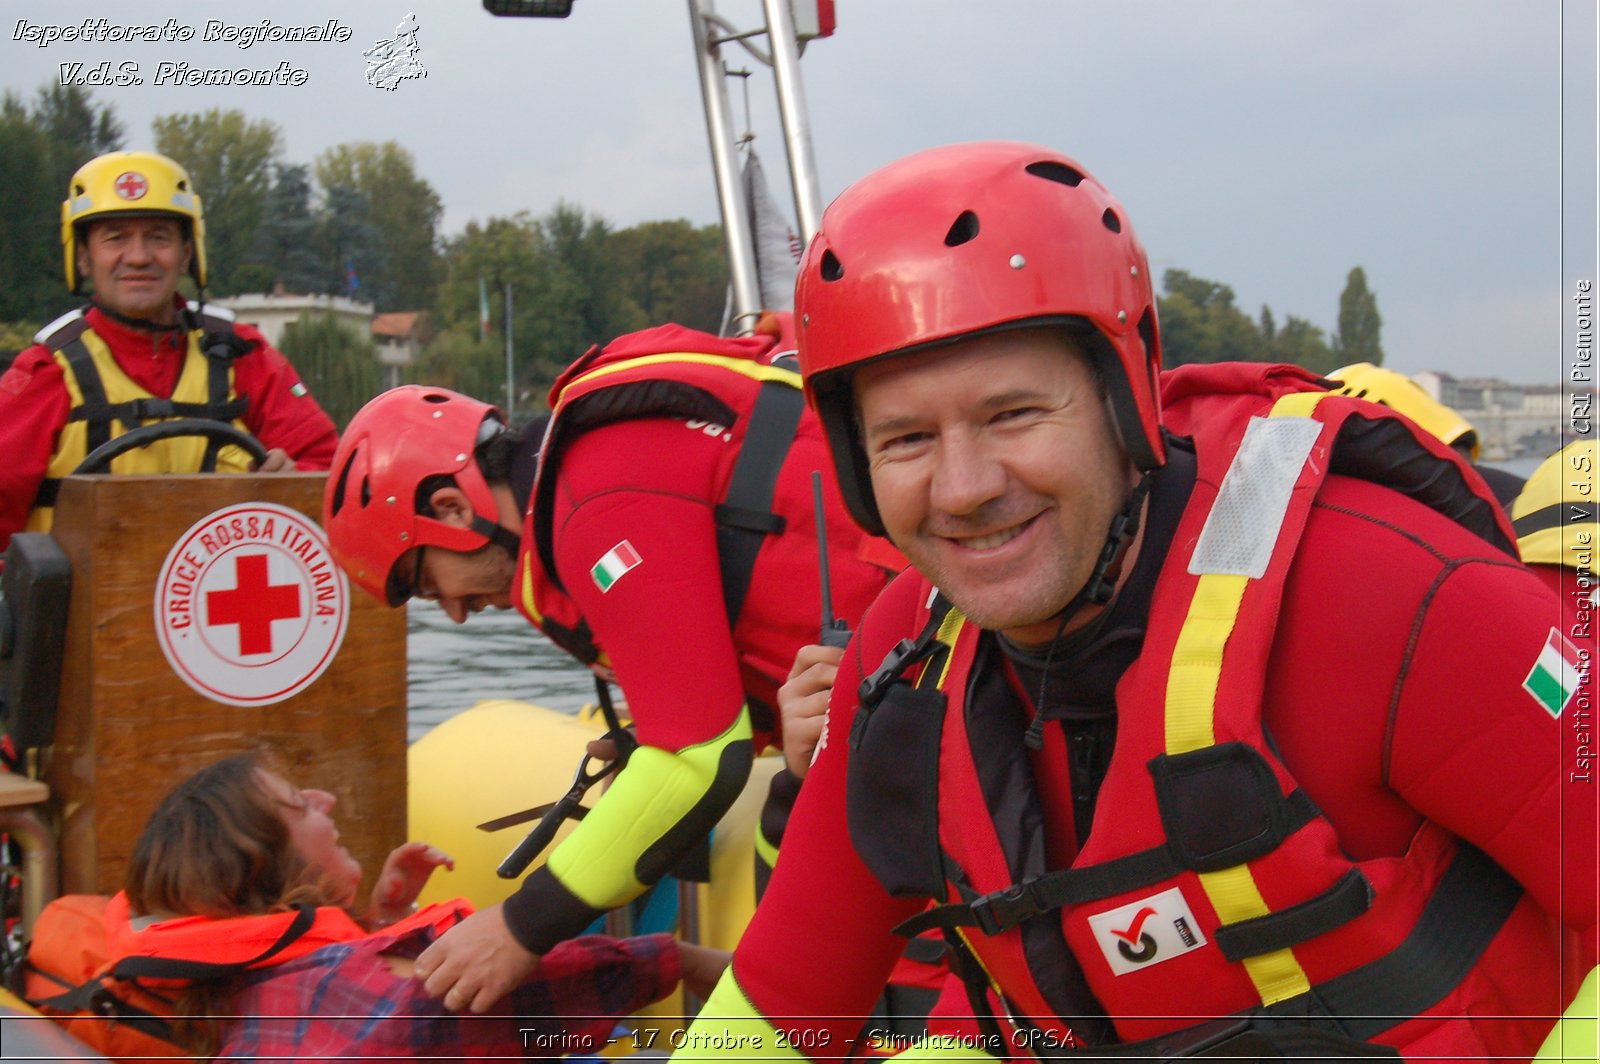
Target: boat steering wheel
(99, 459)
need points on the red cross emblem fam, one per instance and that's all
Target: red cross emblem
(131, 185)
(253, 604)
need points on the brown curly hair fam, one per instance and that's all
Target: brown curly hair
(218, 846)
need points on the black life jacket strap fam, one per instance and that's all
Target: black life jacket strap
(98, 412)
(744, 517)
(1472, 902)
(1562, 513)
(95, 409)
(1004, 909)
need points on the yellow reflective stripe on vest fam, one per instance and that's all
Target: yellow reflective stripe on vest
(1190, 719)
(754, 370)
(949, 629)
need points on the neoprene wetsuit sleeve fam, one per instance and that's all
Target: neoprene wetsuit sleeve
(1576, 1035)
(659, 806)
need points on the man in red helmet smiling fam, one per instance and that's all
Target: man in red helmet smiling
(1190, 718)
(661, 528)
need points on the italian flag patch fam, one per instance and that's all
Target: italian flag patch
(1554, 676)
(616, 561)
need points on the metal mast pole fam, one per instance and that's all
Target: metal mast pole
(792, 109)
(724, 162)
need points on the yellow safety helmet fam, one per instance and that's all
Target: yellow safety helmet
(1398, 392)
(1554, 517)
(137, 184)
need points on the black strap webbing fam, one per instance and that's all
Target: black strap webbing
(1004, 909)
(745, 517)
(1468, 908)
(96, 411)
(1562, 513)
(1338, 905)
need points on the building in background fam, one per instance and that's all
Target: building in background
(1513, 420)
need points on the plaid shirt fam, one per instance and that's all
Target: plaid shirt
(343, 1003)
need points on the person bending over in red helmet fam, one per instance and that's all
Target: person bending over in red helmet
(660, 528)
(1216, 714)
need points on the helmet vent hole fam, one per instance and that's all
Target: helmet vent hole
(1054, 171)
(366, 492)
(963, 229)
(338, 488)
(435, 397)
(832, 269)
(1110, 220)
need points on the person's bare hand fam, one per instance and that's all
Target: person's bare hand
(476, 963)
(803, 703)
(702, 967)
(276, 461)
(405, 873)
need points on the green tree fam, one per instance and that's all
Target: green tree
(1302, 343)
(404, 211)
(230, 159)
(40, 147)
(484, 258)
(32, 285)
(1359, 322)
(338, 366)
(673, 271)
(287, 241)
(75, 129)
(349, 246)
(462, 359)
(1200, 323)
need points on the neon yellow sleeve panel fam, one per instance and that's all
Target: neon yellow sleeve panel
(617, 851)
(729, 1027)
(1576, 1035)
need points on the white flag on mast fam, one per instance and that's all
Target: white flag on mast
(777, 248)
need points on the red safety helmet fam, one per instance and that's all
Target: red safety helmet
(967, 239)
(396, 442)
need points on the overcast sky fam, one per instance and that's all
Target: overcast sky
(1268, 144)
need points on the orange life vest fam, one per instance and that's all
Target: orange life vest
(111, 985)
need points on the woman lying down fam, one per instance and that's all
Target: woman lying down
(241, 870)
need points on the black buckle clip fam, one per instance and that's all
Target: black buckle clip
(1004, 909)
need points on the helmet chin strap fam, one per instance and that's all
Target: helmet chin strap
(1098, 590)
(498, 534)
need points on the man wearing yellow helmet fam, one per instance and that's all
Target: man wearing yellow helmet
(1395, 390)
(132, 226)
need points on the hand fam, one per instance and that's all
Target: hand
(702, 967)
(405, 873)
(476, 963)
(803, 703)
(276, 461)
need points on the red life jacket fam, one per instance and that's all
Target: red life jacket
(765, 520)
(1214, 843)
(111, 986)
